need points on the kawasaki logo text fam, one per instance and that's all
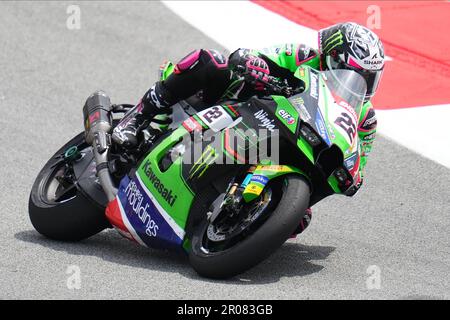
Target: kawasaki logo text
(165, 193)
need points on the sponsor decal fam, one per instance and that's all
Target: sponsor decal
(286, 116)
(260, 179)
(333, 41)
(288, 49)
(366, 148)
(314, 85)
(192, 125)
(202, 164)
(138, 213)
(253, 188)
(212, 114)
(349, 163)
(216, 118)
(371, 62)
(154, 97)
(347, 107)
(276, 168)
(346, 120)
(301, 72)
(299, 104)
(139, 206)
(343, 103)
(94, 117)
(303, 53)
(164, 192)
(320, 125)
(246, 180)
(370, 136)
(306, 51)
(331, 131)
(264, 120)
(371, 121)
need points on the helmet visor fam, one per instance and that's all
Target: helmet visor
(372, 77)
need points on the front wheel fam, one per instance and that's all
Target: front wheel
(57, 208)
(221, 249)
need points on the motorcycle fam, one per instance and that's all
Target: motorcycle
(260, 164)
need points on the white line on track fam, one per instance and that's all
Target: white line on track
(236, 24)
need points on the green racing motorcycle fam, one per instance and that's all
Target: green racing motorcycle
(226, 185)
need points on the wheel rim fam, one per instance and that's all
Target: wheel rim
(58, 188)
(222, 236)
(60, 185)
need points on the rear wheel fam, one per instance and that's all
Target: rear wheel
(228, 246)
(57, 208)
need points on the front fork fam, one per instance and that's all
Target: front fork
(250, 188)
(232, 199)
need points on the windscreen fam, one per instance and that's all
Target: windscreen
(346, 85)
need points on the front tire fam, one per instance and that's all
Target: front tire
(257, 246)
(70, 216)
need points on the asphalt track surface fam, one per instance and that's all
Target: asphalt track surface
(398, 222)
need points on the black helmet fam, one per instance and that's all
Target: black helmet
(351, 46)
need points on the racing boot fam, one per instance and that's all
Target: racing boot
(154, 105)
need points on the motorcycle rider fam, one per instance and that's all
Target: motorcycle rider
(341, 46)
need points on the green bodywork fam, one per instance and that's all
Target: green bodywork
(171, 179)
(166, 70)
(174, 180)
(254, 188)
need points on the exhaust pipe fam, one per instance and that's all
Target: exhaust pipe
(97, 125)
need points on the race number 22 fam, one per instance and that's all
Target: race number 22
(347, 124)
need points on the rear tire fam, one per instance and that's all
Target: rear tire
(72, 219)
(244, 255)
